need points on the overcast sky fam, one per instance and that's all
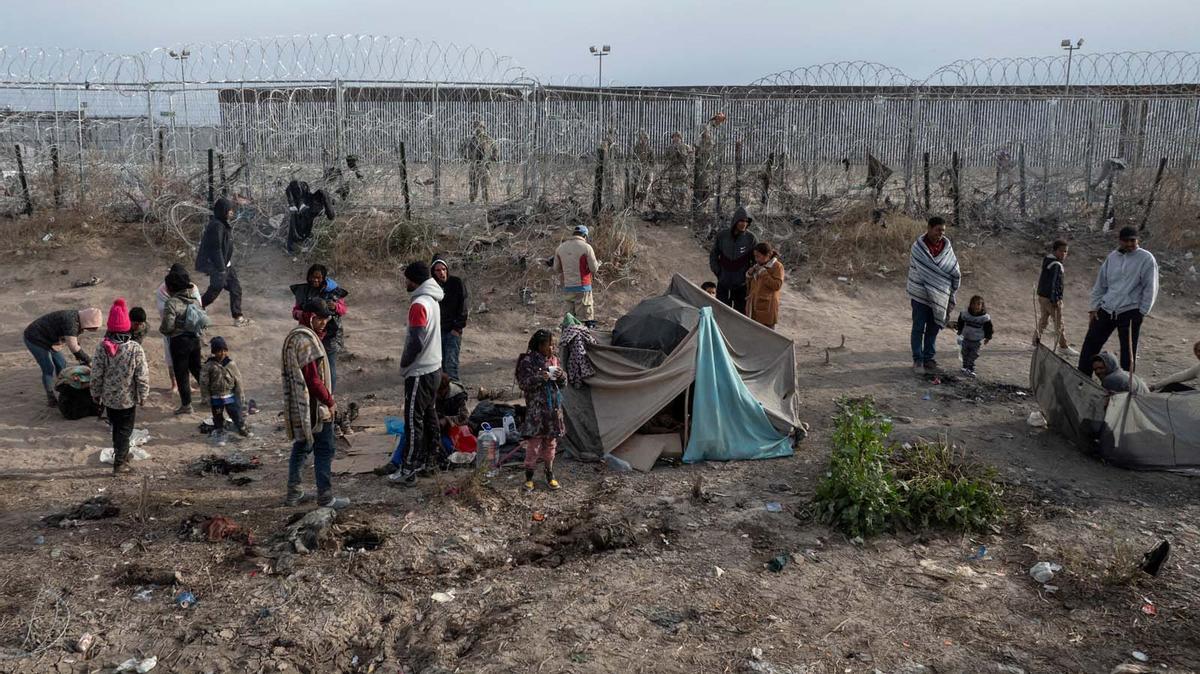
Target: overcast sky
(660, 42)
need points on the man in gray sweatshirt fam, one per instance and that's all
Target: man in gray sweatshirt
(1122, 296)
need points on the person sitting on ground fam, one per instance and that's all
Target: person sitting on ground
(183, 322)
(160, 300)
(731, 257)
(309, 408)
(137, 324)
(318, 287)
(48, 334)
(1050, 297)
(221, 386)
(764, 282)
(541, 380)
(933, 280)
(454, 314)
(120, 381)
(451, 406)
(1175, 383)
(975, 327)
(709, 287)
(1114, 379)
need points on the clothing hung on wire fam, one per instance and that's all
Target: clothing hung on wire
(304, 206)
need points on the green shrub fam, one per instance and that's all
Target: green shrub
(873, 486)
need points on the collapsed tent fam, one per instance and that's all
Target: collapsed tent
(1143, 430)
(739, 379)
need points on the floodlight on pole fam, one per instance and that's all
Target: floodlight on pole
(182, 56)
(1071, 48)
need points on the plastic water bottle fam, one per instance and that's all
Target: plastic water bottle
(510, 426)
(486, 449)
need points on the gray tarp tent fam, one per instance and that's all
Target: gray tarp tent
(631, 385)
(1144, 430)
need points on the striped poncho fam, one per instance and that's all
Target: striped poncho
(933, 280)
(301, 347)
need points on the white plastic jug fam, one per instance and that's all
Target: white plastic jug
(486, 450)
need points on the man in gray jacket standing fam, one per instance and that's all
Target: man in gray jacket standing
(1122, 296)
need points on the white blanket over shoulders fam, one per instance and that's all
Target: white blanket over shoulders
(933, 280)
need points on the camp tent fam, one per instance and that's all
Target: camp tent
(740, 378)
(1143, 430)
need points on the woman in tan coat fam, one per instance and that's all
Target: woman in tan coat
(763, 283)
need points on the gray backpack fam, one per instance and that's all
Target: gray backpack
(192, 319)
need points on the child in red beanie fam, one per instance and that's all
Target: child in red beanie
(120, 381)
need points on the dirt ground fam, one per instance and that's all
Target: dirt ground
(627, 572)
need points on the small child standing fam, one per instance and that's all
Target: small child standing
(221, 384)
(975, 326)
(137, 324)
(541, 380)
(120, 381)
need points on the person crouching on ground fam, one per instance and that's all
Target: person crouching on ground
(120, 381)
(1175, 383)
(764, 281)
(309, 407)
(975, 326)
(1114, 379)
(221, 386)
(421, 367)
(46, 335)
(541, 380)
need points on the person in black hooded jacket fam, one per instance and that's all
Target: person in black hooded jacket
(454, 314)
(730, 259)
(215, 258)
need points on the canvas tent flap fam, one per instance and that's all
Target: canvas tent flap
(1145, 430)
(728, 423)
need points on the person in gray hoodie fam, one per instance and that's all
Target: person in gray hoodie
(1114, 378)
(1122, 296)
(731, 257)
(421, 366)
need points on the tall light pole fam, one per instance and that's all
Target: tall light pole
(181, 56)
(1066, 44)
(600, 51)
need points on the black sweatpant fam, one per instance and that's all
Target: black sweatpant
(225, 280)
(185, 359)
(734, 296)
(121, 422)
(420, 419)
(1127, 325)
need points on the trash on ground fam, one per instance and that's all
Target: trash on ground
(40, 540)
(442, 597)
(135, 453)
(979, 555)
(139, 666)
(774, 507)
(93, 281)
(1036, 420)
(1149, 609)
(1153, 560)
(778, 562)
(85, 642)
(539, 517)
(144, 595)
(215, 464)
(1043, 572)
(185, 599)
(718, 571)
(95, 508)
(243, 479)
(214, 528)
(1140, 656)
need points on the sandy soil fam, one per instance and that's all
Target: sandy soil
(627, 571)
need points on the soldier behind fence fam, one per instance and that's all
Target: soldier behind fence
(643, 168)
(705, 149)
(676, 176)
(480, 153)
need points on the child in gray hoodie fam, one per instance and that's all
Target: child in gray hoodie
(975, 326)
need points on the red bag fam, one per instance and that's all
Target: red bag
(462, 439)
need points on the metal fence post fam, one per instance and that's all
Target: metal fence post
(28, 210)
(55, 177)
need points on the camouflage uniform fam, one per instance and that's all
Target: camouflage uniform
(705, 150)
(480, 153)
(643, 168)
(676, 176)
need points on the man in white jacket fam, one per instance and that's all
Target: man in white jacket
(1124, 293)
(421, 366)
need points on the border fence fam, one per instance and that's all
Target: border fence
(389, 123)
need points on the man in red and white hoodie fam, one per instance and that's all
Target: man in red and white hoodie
(575, 262)
(421, 366)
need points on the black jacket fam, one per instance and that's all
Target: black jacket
(216, 246)
(454, 305)
(1050, 283)
(732, 254)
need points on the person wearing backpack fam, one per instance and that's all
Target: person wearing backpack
(183, 321)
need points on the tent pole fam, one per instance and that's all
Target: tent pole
(687, 408)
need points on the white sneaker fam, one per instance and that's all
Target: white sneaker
(1068, 351)
(217, 438)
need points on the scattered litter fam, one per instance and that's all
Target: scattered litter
(1149, 608)
(93, 281)
(718, 571)
(756, 653)
(139, 666)
(215, 464)
(936, 381)
(213, 529)
(95, 508)
(774, 507)
(47, 237)
(1153, 560)
(1140, 656)
(128, 547)
(135, 453)
(40, 540)
(1036, 420)
(617, 464)
(185, 599)
(443, 597)
(980, 554)
(927, 396)
(243, 479)
(1043, 572)
(539, 517)
(857, 540)
(85, 642)
(778, 562)
(144, 595)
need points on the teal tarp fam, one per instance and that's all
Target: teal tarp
(728, 424)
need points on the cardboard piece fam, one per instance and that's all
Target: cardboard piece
(365, 452)
(357, 464)
(641, 451)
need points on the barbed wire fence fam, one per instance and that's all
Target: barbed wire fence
(456, 136)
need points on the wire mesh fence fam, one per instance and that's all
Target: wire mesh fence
(420, 128)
